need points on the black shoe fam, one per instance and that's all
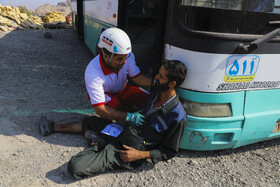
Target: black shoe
(93, 138)
(46, 126)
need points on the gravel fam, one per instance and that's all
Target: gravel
(46, 76)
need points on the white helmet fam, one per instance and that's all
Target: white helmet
(115, 40)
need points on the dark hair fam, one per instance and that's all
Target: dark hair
(176, 71)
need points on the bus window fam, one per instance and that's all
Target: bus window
(233, 4)
(250, 16)
(260, 5)
(251, 5)
(277, 7)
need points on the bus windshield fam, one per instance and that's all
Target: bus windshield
(231, 16)
(269, 6)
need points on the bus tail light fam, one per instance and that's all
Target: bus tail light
(207, 109)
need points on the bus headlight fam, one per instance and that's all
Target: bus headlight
(206, 109)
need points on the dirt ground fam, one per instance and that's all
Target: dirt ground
(46, 76)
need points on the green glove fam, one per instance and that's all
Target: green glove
(135, 118)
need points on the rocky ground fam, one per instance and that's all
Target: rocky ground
(45, 76)
(63, 7)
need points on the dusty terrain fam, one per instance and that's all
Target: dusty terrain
(45, 76)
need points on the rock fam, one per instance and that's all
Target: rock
(46, 8)
(48, 35)
(54, 16)
(22, 100)
(4, 21)
(20, 27)
(37, 20)
(193, 163)
(23, 16)
(56, 25)
(11, 18)
(32, 25)
(3, 28)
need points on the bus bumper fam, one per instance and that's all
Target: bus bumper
(213, 133)
(217, 134)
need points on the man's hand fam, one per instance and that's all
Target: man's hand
(135, 118)
(132, 154)
(142, 80)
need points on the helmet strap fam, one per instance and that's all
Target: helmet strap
(111, 57)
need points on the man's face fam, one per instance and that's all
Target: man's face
(161, 77)
(118, 61)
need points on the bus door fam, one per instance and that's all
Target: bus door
(232, 52)
(77, 9)
(144, 22)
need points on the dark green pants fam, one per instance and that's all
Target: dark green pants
(94, 159)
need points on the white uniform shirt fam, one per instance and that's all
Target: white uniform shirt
(100, 80)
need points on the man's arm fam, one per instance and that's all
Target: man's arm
(142, 80)
(112, 114)
(132, 154)
(107, 112)
(167, 149)
(169, 146)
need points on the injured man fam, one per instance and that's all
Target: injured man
(154, 133)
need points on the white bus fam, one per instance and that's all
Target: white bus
(232, 52)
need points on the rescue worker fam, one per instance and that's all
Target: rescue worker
(158, 138)
(106, 81)
(106, 78)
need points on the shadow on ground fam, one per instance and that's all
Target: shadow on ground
(41, 77)
(60, 175)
